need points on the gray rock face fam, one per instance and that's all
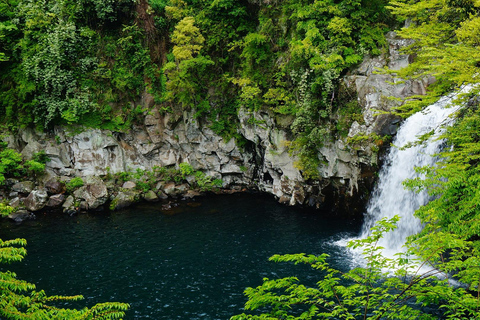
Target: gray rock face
(264, 162)
(36, 200)
(374, 89)
(69, 206)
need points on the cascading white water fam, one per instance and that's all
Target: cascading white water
(389, 197)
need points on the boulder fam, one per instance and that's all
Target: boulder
(123, 199)
(54, 186)
(169, 189)
(94, 193)
(129, 185)
(162, 195)
(191, 194)
(23, 187)
(15, 202)
(36, 200)
(150, 196)
(55, 200)
(9, 182)
(69, 206)
(21, 215)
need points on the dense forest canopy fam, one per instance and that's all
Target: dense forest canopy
(90, 62)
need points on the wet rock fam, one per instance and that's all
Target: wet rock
(169, 206)
(13, 194)
(150, 196)
(55, 200)
(161, 195)
(69, 206)
(94, 193)
(298, 196)
(9, 182)
(181, 189)
(123, 199)
(36, 200)
(284, 199)
(21, 215)
(54, 186)
(169, 189)
(24, 187)
(15, 202)
(129, 185)
(192, 194)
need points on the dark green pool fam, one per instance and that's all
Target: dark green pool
(192, 263)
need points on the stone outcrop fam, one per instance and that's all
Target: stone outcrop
(93, 194)
(36, 200)
(21, 215)
(123, 199)
(24, 187)
(381, 92)
(263, 162)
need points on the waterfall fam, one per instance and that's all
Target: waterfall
(389, 197)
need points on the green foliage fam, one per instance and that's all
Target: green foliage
(36, 165)
(91, 62)
(12, 163)
(445, 46)
(33, 167)
(146, 180)
(74, 184)
(186, 169)
(206, 183)
(5, 210)
(383, 289)
(20, 299)
(74, 62)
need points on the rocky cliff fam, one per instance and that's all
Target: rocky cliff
(262, 163)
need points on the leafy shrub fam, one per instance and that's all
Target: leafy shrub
(186, 169)
(10, 162)
(5, 210)
(41, 157)
(206, 183)
(73, 184)
(34, 167)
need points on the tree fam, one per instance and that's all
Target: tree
(384, 288)
(445, 46)
(186, 74)
(19, 299)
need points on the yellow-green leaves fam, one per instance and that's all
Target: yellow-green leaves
(187, 39)
(382, 288)
(19, 299)
(445, 39)
(469, 32)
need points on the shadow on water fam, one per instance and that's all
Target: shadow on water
(191, 262)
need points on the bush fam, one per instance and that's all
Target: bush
(73, 184)
(186, 169)
(206, 183)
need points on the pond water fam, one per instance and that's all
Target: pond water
(193, 262)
